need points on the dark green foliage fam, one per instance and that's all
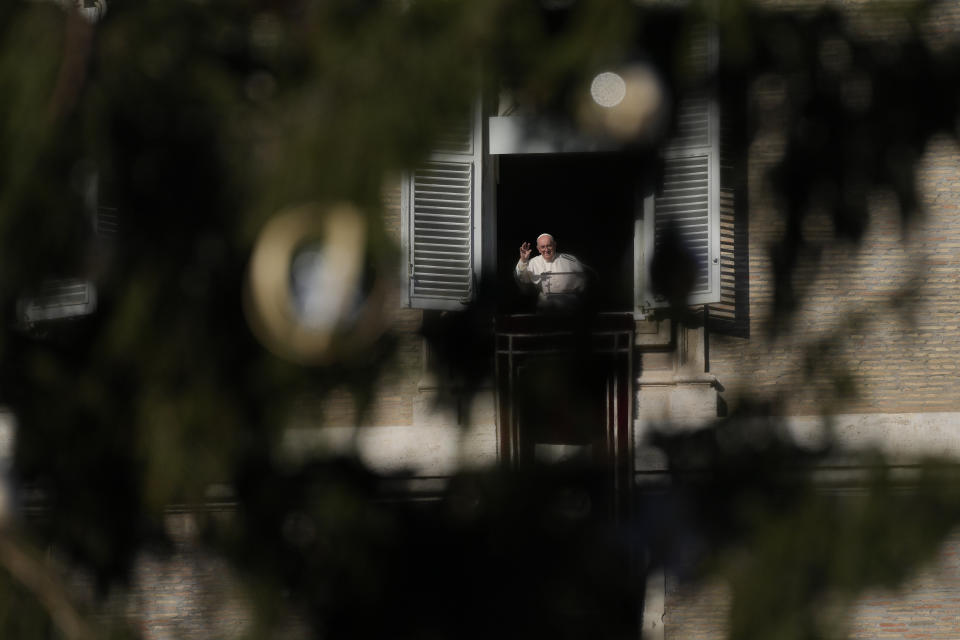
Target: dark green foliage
(203, 119)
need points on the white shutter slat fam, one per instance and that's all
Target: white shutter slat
(441, 247)
(693, 128)
(439, 261)
(687, 200)
(444, 203)
(441, 292)
(59, 299)
(455, 138)
(441, 239)
(107, 221)
(440, 235)
(439, 206)
(440, 269)
(443, 232)
(429, 215)
(684, 205)
(421, 253)
(443, 226)
(441, 222)
(450, 224)
(450, 280)
(443, 250)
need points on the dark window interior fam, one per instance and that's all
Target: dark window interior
(587, 202)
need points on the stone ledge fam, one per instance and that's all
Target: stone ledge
(666, 378)
(425, 450)
(902, 441)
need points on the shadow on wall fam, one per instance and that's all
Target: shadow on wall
(740, 501)
(164, 392)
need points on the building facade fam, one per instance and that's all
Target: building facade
(867, 357)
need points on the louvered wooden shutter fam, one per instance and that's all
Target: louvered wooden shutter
(689, 198)
(58, 299)
(440, 208)
(106, 222)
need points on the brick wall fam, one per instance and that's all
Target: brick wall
(189, 594)
(926, 606)
(696, 610)
(878, 327)
(396, 388)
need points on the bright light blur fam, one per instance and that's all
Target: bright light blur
(322, 289)
(627, 105)
(608, 89)
(305, 282)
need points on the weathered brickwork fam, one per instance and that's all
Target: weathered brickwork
(926, 607)
(877, 331)
(396, 388)
(186, 596)
(189, 594)
(696, 610)
(878, 327)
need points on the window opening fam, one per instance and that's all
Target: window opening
(588, 203)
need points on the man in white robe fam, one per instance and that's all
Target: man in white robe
(558, 278)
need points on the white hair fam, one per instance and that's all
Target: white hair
(549, 235)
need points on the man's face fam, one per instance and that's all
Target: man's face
(547, 248)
